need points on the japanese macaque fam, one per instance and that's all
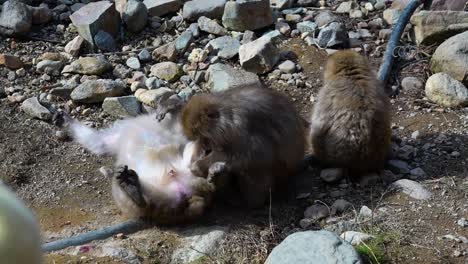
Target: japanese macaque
(153, 179)
(248, 141)
(20, 239)
(350, 124)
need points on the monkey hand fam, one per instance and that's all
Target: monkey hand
(215, 170)
(171, 105)
(128, 181)
(61, 119)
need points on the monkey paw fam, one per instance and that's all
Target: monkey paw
(60, 119)
(128, 181)
(215, 170)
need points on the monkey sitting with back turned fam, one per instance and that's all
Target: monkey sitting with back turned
(350, 123)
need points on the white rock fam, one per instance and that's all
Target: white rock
(356, 238)
(412, 189)
(444, 90)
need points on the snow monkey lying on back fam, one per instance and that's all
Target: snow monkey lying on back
(153, 179)
(350, 124)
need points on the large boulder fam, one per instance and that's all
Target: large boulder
(322, 247)
(168, 71)
(436, 26)
(259, 56)
(442, 89)
(223, 77)
(162, 7)
(209, 8)
(16, 18)
(241, 15)
(33, 107)
(88, 66)
(452, 57)
(95, 17)
(135, 16)
(454, 5)
(95, 91)
(123, 106)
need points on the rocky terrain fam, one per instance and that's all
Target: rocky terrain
(105, 60)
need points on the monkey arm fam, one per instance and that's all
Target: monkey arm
(172, 105)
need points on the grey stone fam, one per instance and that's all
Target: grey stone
(307, 26)
(75, 46)
(314, 247)
(224, 77)
(452, 57)
(259, 56)
(293, 11)
(63, 92)
(248, 36)
(412, 84)
(356, 238)
(455, 5)
(462, 222)
(287, 66)
(89, 66)
(144, 55)
(15, 18)
(195, 30)
(166, 52)
(307, 3)
(226, 47)
(412, 189)
(334, 35)
(281, 4)
(52, 65)
(340, 206)
(95, 91)
(331, 175)
(283, 27)
(209, 8)
(40, 14)
(324, 18)
(133, 63)
(199, 242)
(406, 152)
(162, 7)
(365, 212)
(151, 97)
(316, 212)
(444, 90)
(275, 36)
(135, 16)
(183, 41)
(122, 106)
(398, 166)
(293, 18)
(76, 6)
(115, 250)
(95, 17)
(211, 26)
(380, 4)
(168, 71)
(342, 226)
(418, 173)
(346, 7)
(391, 16)
(33, 107)
(241, 15)
(105, 42)
(434, 27)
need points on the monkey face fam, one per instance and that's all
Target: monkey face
(199, 116)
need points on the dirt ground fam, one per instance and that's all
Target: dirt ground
(61, 183)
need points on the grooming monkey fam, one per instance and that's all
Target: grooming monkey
(248, 139)
(153, 179)
(350, 124)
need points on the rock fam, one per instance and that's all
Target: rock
(133, 63)
(223, 77)
(248, 36)
(324, 18)
(144, 55)
(412, 84)
(398, 166)
(10, 61)
(356, 238)
(283, 27)
(462, 222)
(316, 212)
(226, 47)
(365, 212)
(162, 7)
(314, 247)
(52, 65)
(166, 52)
(208, 8)
(406, 152)
(334, 35)
(199, 242)
(436, 26)
(183, 41)
(452, 57)
(340, 206)
(287, 67)
(168, 71)
(95, 17)
(121, 106)
(95, 91)
(135, 16)
(259, 56)
(412, 189)
(444, 90)
(53, 56)
(293, 18)
(356, 13)
(281, 4)
(391, 16)
(380, 4)
(194, 29)
(275, 36)
(306, 223)
(455, 5)
(151, 97)
(369, 7)
(241, 15)
(418, 173)
(345, 7)
(105, 42)
(198, 55)
(307, 3)
(211, 26)
(88, 66)
(75, 46)
(75, 7)
(15, 18)
(40, 14)
(63, 92)
(331, 175)
(307, 26)
(33, 107)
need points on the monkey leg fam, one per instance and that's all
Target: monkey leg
(127, 181)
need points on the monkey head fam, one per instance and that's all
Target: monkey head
(345, 63)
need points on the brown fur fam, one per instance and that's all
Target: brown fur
(255, 131)
(350, 124)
